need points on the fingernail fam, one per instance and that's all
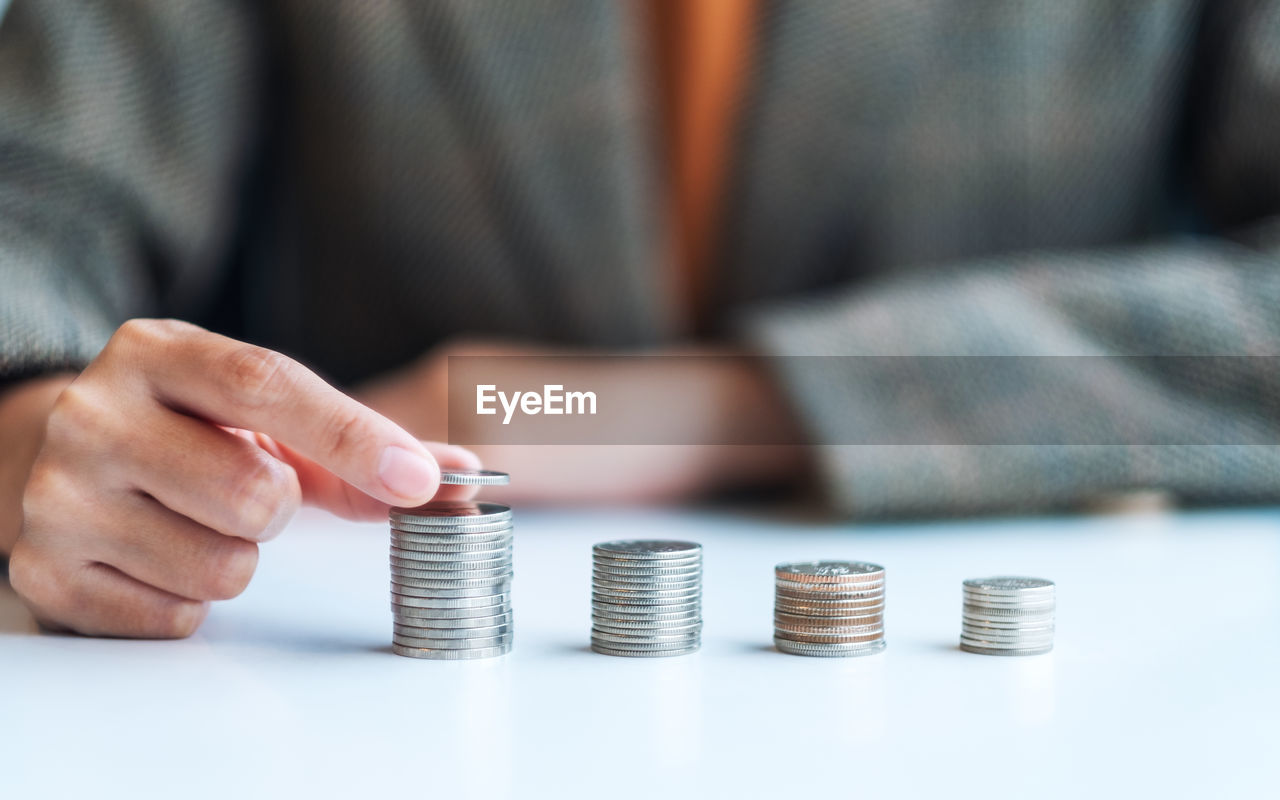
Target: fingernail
(408, 474)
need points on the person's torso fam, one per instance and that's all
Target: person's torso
(458, 167)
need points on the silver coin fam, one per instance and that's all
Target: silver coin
(840, 572)
(822, 587)
(1017, 610)
(996, 634)
(638, 586)
(642, 623)
(454, 532)
(869, 635)
(988, 644)
(695, 575)
(489, 578)
(643, 613)
(1005, 638)
(618, 639)
(450, 655)
(478, 612)
(463, 556)
(644, 594)
(651, 549)
(1008, 584)
(476, 565)
(452, 569)
(473, 477)
(482, 600)
(646, 572)
(487, 543)
(462, 512)
(829, 650)
(503, 588)
(662, 628)
(645, 607)
(455, 622)
(988, 651)
(1008, 623)
(451, 633)
(609, 651)
(451, 644)
(640, 646)
(624, 562)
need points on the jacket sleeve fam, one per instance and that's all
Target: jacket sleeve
(903, 434)
(123, 130)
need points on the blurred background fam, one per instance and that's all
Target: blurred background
(373, 186)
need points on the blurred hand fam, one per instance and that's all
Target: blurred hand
(726, 397)
(172, 456)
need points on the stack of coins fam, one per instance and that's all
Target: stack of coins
(1007, 616)
(829, 608)
(451, 576)
(646, 598)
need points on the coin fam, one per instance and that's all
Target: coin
(433, 592)
(453, 531)
(464, 512)
(432, 544)
(842, 572)
(655, 550)
(479, 612)
(473, 477)
(609, 651)
(408, 558)
(607, 568)
(829, 650)
(1007, 584)
(451, 633)
(454, 622)
(671, 611)
(449, 655)
(450, 644)
(458, 602)
(988, 651)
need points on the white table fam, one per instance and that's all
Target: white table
(1165, 680)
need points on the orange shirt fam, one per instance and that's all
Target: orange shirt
(702, 53)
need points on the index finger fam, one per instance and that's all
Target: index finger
(245, 386)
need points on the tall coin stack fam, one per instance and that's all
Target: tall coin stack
(1007, 616)
(451, 580)
(646, 598)
(829, 608)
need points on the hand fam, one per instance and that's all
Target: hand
(172, 456)
(727, 397)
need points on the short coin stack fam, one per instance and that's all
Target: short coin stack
(451, 580)
(1007, 616)
(829, 608)
(646, 598)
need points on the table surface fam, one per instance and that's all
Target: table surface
(1164, 680)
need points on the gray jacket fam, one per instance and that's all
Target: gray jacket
(354, 181)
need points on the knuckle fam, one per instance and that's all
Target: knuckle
(173, 619)
(257, 377)
(261, 496)
(26, 572)
(345, 431)
(76, 410)
(231, 568)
